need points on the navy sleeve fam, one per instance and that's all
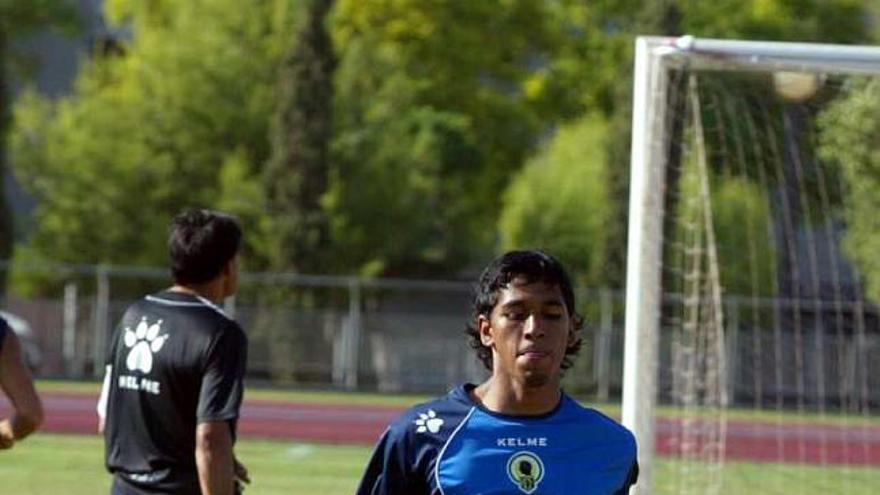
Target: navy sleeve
(222, 383)
(390, 469)
(631, 480)
(3, 329)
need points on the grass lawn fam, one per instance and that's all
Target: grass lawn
(752, 478)
(73, 465)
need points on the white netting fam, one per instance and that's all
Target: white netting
(769, 345)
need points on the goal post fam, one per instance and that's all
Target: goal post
(657, 59)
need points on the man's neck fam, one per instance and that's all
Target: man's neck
(210, 291)
(507, 395)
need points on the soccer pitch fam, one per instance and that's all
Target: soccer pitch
(73, 465)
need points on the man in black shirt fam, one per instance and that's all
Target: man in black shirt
(16, 382)
(175, 366)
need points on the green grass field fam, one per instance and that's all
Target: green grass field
(72, 465)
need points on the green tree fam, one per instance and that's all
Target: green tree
(432, 118)
(741, 220)
(559, 200)
(297, 174)
(19, 18)
(593, 67)
(400, 210)
(848, 134)
(180, 119)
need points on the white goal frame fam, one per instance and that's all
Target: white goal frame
(654, 58)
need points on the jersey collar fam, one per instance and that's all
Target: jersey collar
(177, 298)
(462, 393)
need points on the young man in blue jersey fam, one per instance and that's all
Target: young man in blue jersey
(517, 432)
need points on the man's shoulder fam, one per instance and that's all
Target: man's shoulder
(598, 423)
(4, 327)
(436, 418)
(179, 307)
(195, 324)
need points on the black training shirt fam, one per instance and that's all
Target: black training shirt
(177, 360)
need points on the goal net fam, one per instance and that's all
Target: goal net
(752, 334)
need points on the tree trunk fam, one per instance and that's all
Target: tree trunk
(297, 173)
(6, 229)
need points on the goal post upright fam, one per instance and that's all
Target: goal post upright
(654, 57)
(643, 255)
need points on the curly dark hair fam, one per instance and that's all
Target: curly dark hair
(533, 266)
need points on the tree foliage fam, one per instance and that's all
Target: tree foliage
(296, 175)
(849, 131)
(432, 118)
(434, 107)
(741, 220)
(18, 19)
(559, 200)
(164, 126)
(593, 67)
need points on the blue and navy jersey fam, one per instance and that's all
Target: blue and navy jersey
(4, 327)
(454, 446)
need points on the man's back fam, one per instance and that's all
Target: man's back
(176, 360)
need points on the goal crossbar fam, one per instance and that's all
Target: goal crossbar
(715, 54)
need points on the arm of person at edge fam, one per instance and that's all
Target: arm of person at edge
(241, 472)
(389, 471)
(16, 382)
(102, 400)
(631, 480)
(215, 460)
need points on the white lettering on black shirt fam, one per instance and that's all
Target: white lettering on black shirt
(129, 382)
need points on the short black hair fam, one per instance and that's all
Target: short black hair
(201, 243)
(532, 266)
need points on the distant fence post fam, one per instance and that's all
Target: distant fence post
(347, 356)
(229, 306)
(68, 349)
(102, 310)
(354, 334)
(602, 352)
(732, 345)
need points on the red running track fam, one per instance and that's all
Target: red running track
(361, 424)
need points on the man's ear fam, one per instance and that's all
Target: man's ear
(484, 326)
(572, 333)
(229, 266)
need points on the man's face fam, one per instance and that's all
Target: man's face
(528, 331)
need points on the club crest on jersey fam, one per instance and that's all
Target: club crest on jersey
(525, 470)
(428, 421)
(144, 341)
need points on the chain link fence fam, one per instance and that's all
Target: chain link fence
(392, 335)
(387, 335)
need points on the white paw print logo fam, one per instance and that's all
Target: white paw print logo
(428, 422)
(144, 341)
